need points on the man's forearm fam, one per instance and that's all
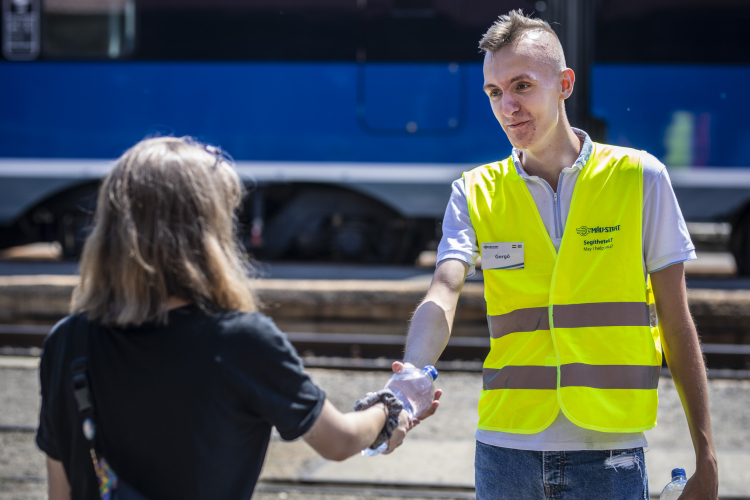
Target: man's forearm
(682, 350)
(433, 320)
(428, 335)
(688, 371)
(683, 354)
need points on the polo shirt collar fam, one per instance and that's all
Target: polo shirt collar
(583, 157)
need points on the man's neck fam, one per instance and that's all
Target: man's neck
(558, 151)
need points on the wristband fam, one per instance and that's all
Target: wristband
(394, 406)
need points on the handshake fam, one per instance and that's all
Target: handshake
(381, 419)
(408, 395)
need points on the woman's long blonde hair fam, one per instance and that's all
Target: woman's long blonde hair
(165, 225)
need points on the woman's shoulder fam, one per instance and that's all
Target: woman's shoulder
(250, 341)
(63, 344)
(254, 327)
(65, 329)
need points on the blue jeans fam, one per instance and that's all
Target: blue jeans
(503, 473)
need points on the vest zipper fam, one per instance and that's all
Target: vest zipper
(557, 220)
(554, 209)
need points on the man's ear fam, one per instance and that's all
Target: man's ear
(567, 81)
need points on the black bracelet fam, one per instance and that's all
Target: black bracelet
(394, 407)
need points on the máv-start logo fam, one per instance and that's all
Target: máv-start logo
(584, 230)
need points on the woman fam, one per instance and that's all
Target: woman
(186, 380)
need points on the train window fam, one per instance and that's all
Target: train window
(88, 28)
(272, 30)
(429, 30)
(247, 29)
(683, 109)
(648, 31)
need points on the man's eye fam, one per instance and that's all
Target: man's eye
(523, 86)
(494, 93)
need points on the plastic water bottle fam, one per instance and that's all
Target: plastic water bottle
(415, 388)
(674, 489)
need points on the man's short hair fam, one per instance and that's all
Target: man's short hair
(511, 27)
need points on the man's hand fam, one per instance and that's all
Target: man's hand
(704, 484)
(398, 367)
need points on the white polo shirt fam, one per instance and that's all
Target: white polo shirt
(666, 241)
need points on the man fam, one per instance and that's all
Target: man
(569, 232)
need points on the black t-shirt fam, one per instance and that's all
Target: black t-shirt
(184, 411)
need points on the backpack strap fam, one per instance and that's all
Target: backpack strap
(79, 377)
(83, 398)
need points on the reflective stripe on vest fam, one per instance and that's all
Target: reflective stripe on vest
(571, 316)
(574, 331)
(572, 375)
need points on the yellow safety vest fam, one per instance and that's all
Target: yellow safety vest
(570, 330)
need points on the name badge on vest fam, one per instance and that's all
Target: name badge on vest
(502, 255)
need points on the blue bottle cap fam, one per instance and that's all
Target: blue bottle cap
(431, 371)
(678, 473)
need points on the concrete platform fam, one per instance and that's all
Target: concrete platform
(352, 306)
(40, 258)
(438, 452)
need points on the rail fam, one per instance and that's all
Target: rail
(386, 490)
(353, 489)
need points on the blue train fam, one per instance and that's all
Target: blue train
(348, 119)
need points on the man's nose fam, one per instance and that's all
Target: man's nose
(508, 106)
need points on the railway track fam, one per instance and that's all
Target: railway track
(383, 490)
(375, 352)
(355, 490)
(368, 490)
